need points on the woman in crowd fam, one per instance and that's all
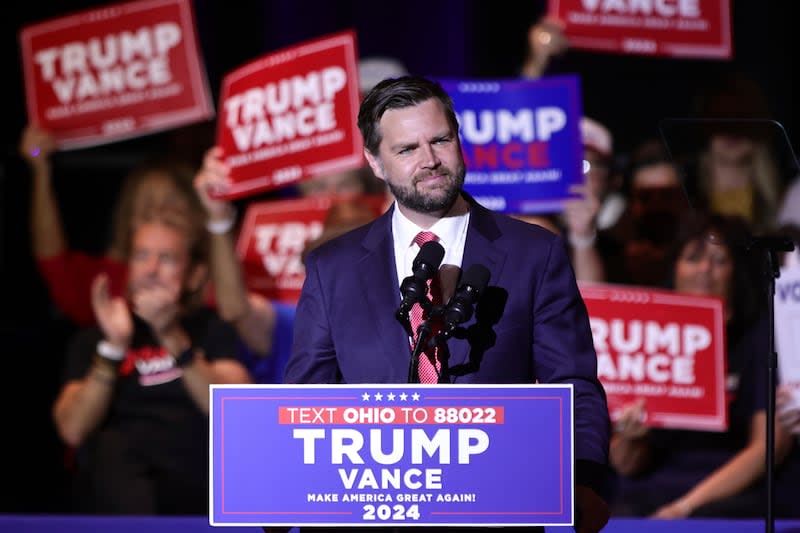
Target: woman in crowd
(153, 186)
(676, 474)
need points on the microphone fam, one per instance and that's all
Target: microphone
(415, 287)
(460, 307)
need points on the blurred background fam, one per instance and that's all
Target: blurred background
(448, 38)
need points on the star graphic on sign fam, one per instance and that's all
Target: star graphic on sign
(403, 396)
(365, 396)
(415, 397)
(378, 396)
(390, 396)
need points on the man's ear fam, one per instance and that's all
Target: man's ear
(374, 164)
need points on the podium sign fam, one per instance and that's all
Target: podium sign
(398, 455)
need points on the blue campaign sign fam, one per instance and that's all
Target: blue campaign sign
(521, 141)
(400, 455)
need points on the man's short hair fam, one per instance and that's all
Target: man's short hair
(398, 93)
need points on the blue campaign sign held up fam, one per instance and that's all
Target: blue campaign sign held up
(399, 455)
(521, 141)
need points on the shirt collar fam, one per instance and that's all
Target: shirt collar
(447, 229)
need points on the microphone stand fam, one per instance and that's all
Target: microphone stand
(771, 246)
(440, 340)
(405, 322)
(444, 358)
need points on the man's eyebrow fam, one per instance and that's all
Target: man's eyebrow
(413, 144)
(402, 145)
(444, 135)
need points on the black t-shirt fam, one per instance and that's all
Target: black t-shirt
(746, 395)
(150, 453)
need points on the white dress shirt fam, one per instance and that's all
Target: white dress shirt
(452, 233)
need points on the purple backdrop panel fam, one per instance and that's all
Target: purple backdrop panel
(391, 454)
(521, 141)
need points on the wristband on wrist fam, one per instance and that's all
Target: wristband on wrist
(185, 358)
(221, 227)
(582, 242)
(110, 352)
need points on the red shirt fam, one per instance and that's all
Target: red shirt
(69, 277)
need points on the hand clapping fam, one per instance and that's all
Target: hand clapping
(112, 313)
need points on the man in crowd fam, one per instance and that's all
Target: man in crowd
(135, 399)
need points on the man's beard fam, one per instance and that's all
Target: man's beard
(441, 198)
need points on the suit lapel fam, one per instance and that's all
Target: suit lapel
(480, 248)
(382, 293)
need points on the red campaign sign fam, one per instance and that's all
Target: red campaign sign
(272, 239)
(291, 115)
(663, 346)
(115, 72)
(676, 28)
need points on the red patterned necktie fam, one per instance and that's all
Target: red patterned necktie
(429, 364)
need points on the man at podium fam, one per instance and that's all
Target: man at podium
(530, 325)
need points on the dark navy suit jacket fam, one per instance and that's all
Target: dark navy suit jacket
(346, 331)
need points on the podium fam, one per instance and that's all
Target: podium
(391, 455)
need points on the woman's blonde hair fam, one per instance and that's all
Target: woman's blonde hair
(180, 209)
(181, 199)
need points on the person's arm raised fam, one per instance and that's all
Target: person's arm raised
(546, 40)
(47, 230)
(580, 215)
(252, 316)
